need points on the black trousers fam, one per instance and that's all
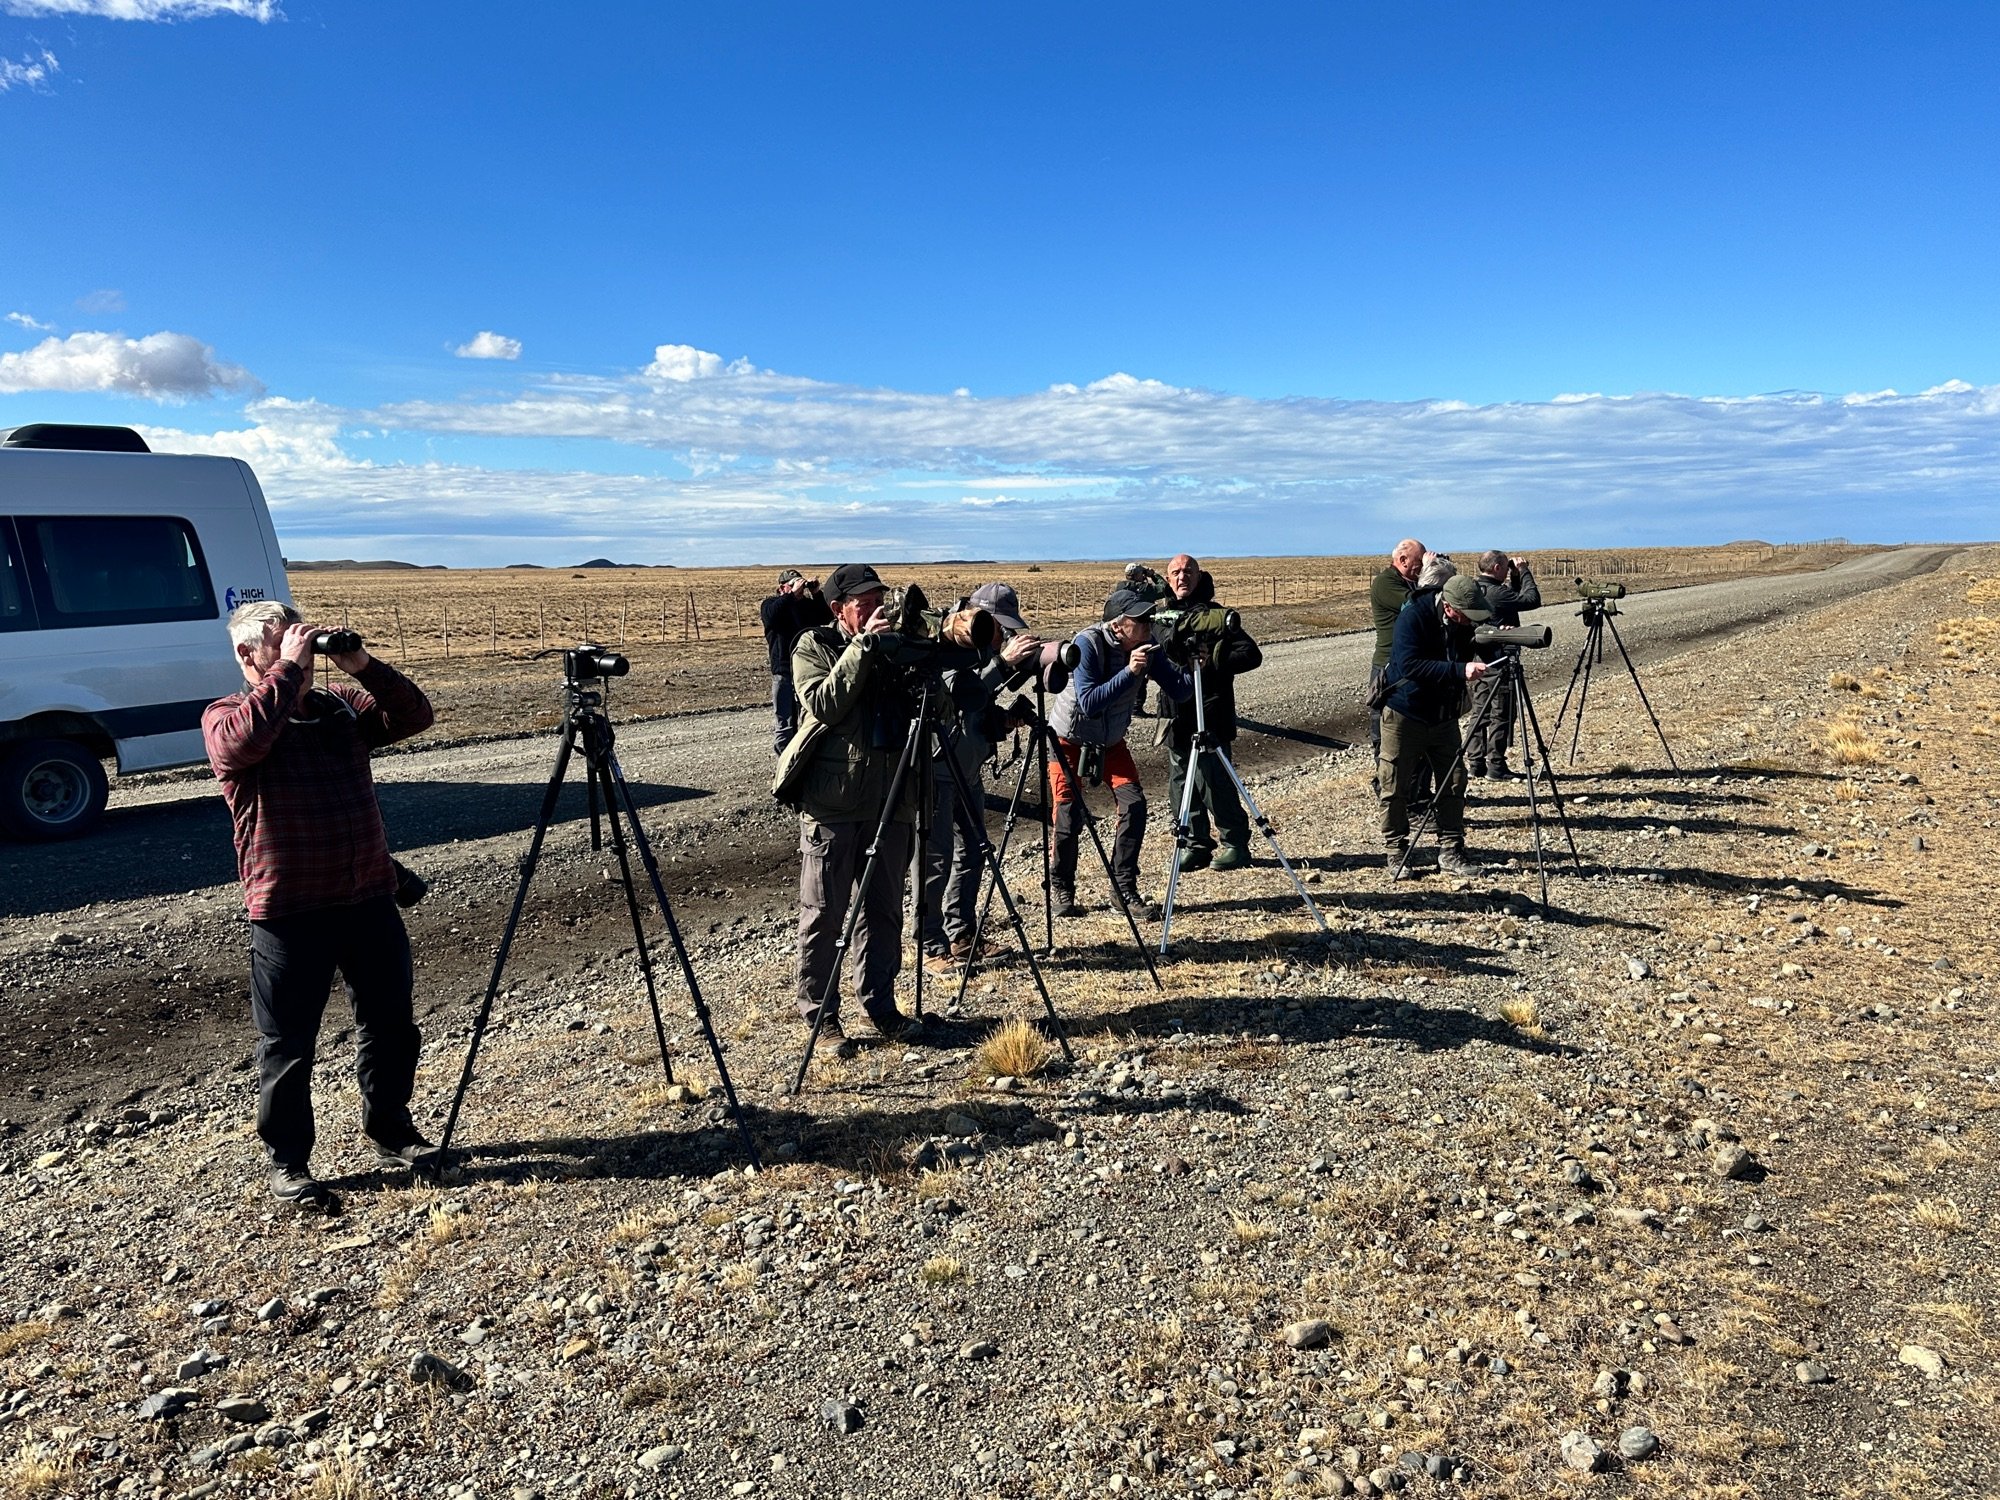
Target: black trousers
(292, 964)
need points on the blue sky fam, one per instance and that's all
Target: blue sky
(755, 283)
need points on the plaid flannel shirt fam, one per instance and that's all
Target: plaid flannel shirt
(308, 831)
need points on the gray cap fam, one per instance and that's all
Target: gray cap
(788, 575)
(1000, 601)
(1128, 602)
(1463, 593)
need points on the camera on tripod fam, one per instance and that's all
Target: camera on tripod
(1534, 637)
(590, 662)
(336, 642)
(922, 639)
(1180, 631)
(1050, 666)
(1594, 591)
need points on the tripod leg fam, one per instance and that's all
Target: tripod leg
(986, 902)
(1519, 691)
(1531, 723)
(528, 863)
(1090, 826)
(857, 896)
(1457, 767)
(1183, 816)
(991, 859)
(1634, 671)
(1264, 826)
(615, 776)
(595, 757)
(1037, 747)
(1575, 672)
(920, 868)
(1593, 652)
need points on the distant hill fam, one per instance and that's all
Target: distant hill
(605, 562)
(349, 565)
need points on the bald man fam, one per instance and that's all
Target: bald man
(1387, 595)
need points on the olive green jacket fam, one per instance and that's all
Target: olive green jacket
(1387, 595)
(833, 769)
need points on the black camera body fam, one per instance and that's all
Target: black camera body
(336, 642)
(590, 662)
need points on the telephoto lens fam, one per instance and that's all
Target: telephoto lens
(590, 660)
(1535, 636)
(336, 642)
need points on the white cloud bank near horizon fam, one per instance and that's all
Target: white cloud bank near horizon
(159, 367)
(779, 465)
(145, 10)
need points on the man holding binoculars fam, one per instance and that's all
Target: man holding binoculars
(317, 879)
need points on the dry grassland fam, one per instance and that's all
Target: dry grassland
(696, 642)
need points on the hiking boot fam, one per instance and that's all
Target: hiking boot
(298, 1188)
(844, 1046)
(1137, 905)
(1475, 768)
(940, 963)
(1499, 770)
(1232, 857)
(1454, 861)
(898, 1027)
(1196, 857)
(1397, 862)
(411, 1153)
(961, 949)
(1063, 901)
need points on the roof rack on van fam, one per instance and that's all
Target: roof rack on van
(74, 435)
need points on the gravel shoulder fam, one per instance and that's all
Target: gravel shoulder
(1491, 1148)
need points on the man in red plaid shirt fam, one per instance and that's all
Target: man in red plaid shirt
(318, 881)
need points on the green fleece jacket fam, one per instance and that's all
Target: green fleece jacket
(1386, 597)
(839, 679)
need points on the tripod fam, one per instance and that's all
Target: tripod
(1514, 685)
(1596, 614)
(1205, 743)
(1044, 738)
(585, 724)
(938, 740)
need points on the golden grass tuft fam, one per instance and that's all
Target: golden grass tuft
(1848, 744)
(1252, 1231)
(341, 1478)
(447, 1222)
(1013, 1049)
(36, 1469)
(942, 1270)
(1844, 682)
(1941, 1214)
(17, 1336)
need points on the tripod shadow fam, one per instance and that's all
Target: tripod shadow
(1799, 888)
(1334, 1018)
(1381, 947)
(1296, 736)
(1413, 899)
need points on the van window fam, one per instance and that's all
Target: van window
(14, 611)
(115, 570)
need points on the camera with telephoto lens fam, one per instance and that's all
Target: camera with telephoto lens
(1596, 591)
(1532, 636)
(1051, 665)
(590, 661)
(336, 642)
(1180, 631)
(923, 639)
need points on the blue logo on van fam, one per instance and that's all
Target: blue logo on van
(235, 597)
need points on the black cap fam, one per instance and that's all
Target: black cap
(849, 579)
(1129, 603)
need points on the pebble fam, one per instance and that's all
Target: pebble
(1811, 1372)
(164, 1404)
(428, 1369)
(207, 1308)
(842, 1417)
(1927, 1361)
(1582, 1452)
(1638, 968)
(660, 1457)
(1734, 1163)
(1312, 1333)
(1636, 1443)
(271, 1311)
(245, 1411)
(979, 1349)
(959, 1124)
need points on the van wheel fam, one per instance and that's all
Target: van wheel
(51, 789)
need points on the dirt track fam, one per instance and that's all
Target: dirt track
(122, 955)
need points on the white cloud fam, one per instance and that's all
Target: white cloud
(145, 10)
(27, 322)
(161, 367)
(683, 362)
(488, 345)
(31, 72)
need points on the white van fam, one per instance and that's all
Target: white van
(118, 567)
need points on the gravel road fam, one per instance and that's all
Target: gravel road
(152, 974)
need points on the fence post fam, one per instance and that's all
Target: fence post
(541, 623)
(444, 628)
(493, 646)
(624, 604)
(402, 654)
